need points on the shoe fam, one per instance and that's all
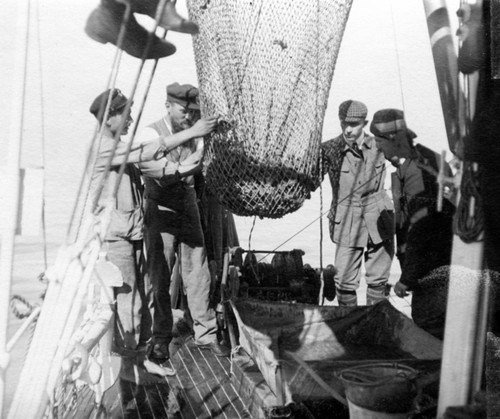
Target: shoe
(103, 25)
(159, 353)
(155, 368)
(169, 19)
(216, 348)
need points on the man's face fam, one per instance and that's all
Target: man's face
(352, 130)
(395, 146)
(389, 148)
(181, 117)
(114, 122)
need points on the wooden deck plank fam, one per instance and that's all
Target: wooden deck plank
(191, 396)
(209, 385)
(218, 368)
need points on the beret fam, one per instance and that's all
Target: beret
(118, 101)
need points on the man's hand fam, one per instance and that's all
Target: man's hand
(401, 289)
(203, 127)
(193, 158)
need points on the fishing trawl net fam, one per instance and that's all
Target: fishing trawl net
(265, 67)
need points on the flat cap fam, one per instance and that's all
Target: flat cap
(184, 94)
(352, 111)
(118, 101)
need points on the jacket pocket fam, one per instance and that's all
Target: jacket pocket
(340, 225)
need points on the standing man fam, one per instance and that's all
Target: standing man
(362, 213)
(123, 240)
(173, 227)
(424, 234)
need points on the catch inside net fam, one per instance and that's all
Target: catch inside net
(265, 68)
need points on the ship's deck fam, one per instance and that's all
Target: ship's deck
(205, 386)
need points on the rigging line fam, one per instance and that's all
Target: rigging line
(99, 128)
(94, 146)
(117, 135)
(250, 236)
(159, 11)
(324, 213)
(320, 150)
(43, 137)
(398, 59)
(322, 282)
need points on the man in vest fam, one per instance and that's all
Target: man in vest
(173, 227)
(362, 213)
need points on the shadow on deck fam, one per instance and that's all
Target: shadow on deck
(202, 388)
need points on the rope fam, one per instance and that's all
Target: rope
(98, 133)
(20, 306)
(468, 222)
(151, 35)
(324, 213)
(250, 234)
(397, 56)
(43, 125)
(321, 298)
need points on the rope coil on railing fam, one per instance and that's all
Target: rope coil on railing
(20, 306)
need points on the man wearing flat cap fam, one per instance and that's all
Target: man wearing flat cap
(361, 213)
(174, 230)
(123, 240)
(424, 235)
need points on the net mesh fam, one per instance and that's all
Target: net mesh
(265, 67)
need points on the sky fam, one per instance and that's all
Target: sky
(385, 60)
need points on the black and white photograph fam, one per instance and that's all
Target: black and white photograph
(250, 209)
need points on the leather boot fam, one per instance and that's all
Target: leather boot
(103, 25)
(375, 294)
(347, 298)
(169, 19)
(329, 282)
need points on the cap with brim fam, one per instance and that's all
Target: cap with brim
(185, 95)
(118, 102)
(352, 111)
(389, 121)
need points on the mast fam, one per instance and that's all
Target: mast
(12, 183)
(468, 292)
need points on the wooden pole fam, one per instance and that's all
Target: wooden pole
(12, 183)
(464, 338)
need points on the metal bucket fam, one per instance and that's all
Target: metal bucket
(386, 389)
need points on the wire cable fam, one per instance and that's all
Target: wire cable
(42, 130)
(325, 212)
